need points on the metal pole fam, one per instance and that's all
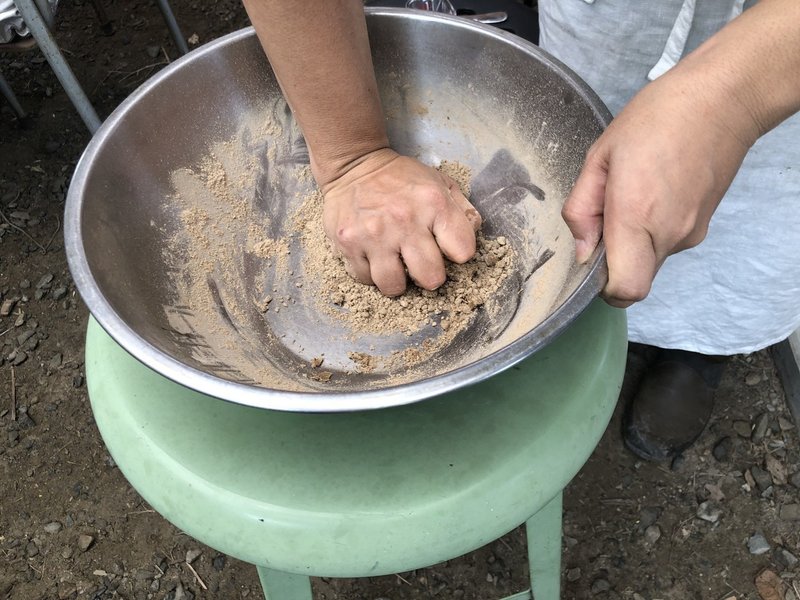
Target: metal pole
(8, 93)
(172, 24)
(33, 19)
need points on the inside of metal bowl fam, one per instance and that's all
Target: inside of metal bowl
(189, 207)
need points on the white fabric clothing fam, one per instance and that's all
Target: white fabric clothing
(738, 291)
(11, 24)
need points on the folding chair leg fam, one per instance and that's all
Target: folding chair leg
(172, 25)
(8, 94)
(33, 19)
(105, 23)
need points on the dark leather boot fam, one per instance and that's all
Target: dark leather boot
(672, 405)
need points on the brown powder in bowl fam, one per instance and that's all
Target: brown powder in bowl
(363, 309)
(225, 231)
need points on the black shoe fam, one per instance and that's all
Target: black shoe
(672, 405)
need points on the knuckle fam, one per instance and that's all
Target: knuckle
(570, 212)
(346, 238)
(594, 152)
(628, 292)
(372, 227)
(436, 199)
(402, 213)
(685, 234)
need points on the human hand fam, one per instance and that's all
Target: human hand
(389, 211)
(652, 181)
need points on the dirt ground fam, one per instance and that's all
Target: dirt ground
(706, 527)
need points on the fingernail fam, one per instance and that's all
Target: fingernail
(474, 218)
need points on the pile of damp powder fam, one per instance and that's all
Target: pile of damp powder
(364, 310)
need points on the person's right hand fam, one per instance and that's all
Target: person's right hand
(389, 213)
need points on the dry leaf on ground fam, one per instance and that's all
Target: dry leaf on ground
(769, 585)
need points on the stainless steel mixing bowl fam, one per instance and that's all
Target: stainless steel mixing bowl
(452, 89)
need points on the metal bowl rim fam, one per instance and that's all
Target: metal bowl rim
(333, 401)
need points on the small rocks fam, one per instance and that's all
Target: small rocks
(7, 306)
(762, 478)
(722, 449)
(757, 544)
(144, 575)
(760, 428)
(715, 492)
(31, 550)
(45, 281)
(708, 511)
(790, 512)
(59, 293)
(600, 586)
(795, 479)
(18, 357)
(55, 362)
(648, 516)
(752, 378)
(85, 542)
(191, 555)
(573, 574)
(66, 552)
(652, 534)
(153, 51)
(786, 558)
(218, 562)
(678, 463)
(742, 429)
(25, 336)
(53, 527)
(776, 470)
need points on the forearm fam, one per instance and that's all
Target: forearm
(750, 70)
(321, 57)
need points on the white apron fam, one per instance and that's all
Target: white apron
(739, 291)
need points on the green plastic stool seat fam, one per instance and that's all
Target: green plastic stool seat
(367, 493)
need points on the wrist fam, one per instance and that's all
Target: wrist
(331, 171)
(718, 98)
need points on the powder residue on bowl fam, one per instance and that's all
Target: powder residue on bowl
(227, 236)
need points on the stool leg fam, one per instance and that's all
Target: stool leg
(544, 550)
(284, 586)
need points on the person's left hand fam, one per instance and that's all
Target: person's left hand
(652, 181)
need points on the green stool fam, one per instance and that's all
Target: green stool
(368, 493)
